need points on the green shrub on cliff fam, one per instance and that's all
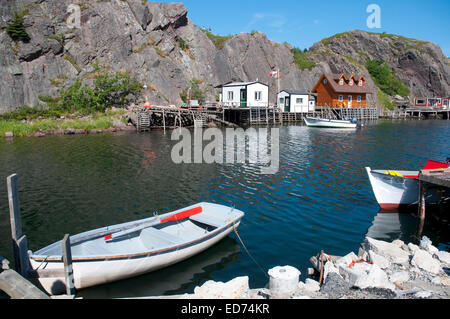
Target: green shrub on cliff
(301, 60)
(108, 89)
(385, 101)
(16, 30)
(385, 80)
(218, 40)
(196, 93)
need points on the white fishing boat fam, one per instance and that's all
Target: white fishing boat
(118, 252)
(400, 189)
(328, 123)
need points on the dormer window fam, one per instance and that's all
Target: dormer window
(351, 82)
(341, 82)
(361, 83)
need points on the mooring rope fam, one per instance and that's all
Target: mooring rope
(248, 253)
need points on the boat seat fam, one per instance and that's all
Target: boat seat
(91, 248)
(149, 235)
(208, 220)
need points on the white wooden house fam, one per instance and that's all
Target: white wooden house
(245, 95)
(296, 101)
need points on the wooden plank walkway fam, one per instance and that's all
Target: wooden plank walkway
(266, 116)
(436, 177)
(169, 117)
(17, 287)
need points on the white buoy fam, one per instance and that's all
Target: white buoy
(283, 281)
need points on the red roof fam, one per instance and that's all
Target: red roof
(333, 79)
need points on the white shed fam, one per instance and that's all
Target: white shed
(296, 101)
(245, 95)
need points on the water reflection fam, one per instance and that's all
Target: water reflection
(389, 226)
(178, 279)
(406, 226)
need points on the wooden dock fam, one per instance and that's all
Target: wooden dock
(15, 283)
(435, 178)
(428, 113)
(16, 286)
(420, 113)
(172, 118)
(160, 117)
(270, 115)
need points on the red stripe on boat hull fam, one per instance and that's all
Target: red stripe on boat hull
(396, 207)
(183, 215)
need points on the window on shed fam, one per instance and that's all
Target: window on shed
(299, 101)
(230, 96)
(258, 96)
(421, 102)
(281, 100)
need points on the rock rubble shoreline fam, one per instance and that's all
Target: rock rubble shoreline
(380, 270)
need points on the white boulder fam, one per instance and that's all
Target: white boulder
(413, 248)
(378, 260)
(235, 289)
(347, 260)
(443, 256)
(376, 278)
(400, 277)
(390, 251)
(425, 261)
(427, 245)
(311, 285)
(328, 269)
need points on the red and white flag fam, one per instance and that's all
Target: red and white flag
(275, 74)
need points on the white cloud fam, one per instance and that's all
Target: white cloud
(276, 21)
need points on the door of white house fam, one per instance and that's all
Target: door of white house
(287, 104)
(350, 101)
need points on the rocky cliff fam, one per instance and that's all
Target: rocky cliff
(163, 48)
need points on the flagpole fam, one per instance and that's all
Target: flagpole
(278, 84)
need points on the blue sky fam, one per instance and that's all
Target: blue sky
(303, 23)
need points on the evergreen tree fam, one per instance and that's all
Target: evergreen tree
(16, 30)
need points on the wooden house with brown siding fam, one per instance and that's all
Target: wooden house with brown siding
(342, 91)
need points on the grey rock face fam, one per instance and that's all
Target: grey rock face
(144, 39)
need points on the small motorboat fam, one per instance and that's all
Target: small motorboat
(118, 252)
(329, 123)
(400, 189)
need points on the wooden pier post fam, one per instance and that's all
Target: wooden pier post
(68, 268)
(14, 207)
(422, 201)
(20, 247)
(164, 120)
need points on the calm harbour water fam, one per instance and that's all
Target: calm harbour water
(320, 199)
